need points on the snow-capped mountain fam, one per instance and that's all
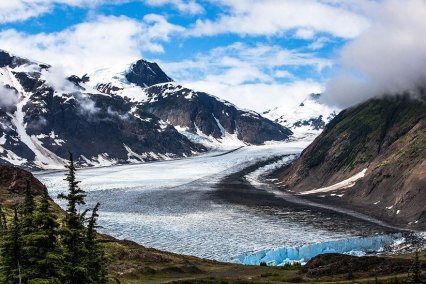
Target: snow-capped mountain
(307, 120)
(44, 115)
(203, 118)
(210, 117)
(112, 117)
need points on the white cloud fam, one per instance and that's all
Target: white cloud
(254, 62)
(251, 76)
(105, 41)
(8, 97)
(188, 7)
(305, 33)
(274, 17)
(157, 28)
(388, 57)
(19, 10)
(259, 96)
(319, 43)
(56, 78)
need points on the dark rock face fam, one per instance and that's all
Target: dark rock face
(199, 111)
(108, 88)
(145, 74)
(316, 123)
(100, 125)
(13, 183)
(388, 137)
(7, 59)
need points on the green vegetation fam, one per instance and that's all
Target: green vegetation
(358, 134)
(36, 249)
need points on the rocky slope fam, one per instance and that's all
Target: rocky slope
(307, 120)
(371, 157)
(13, 183)
(144, 74)
(209, 117)
(201, 117)
(43, 116)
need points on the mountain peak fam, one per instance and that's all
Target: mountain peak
(315, 96)
(7, 59)
(144, 74)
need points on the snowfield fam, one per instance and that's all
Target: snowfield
(171, 205)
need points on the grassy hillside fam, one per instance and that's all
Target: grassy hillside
(388, 137)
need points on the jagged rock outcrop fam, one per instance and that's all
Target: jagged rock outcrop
(144, 74)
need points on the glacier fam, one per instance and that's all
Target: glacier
(171, 205)
(358, 246)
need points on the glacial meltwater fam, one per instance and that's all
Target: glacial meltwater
(170, 206)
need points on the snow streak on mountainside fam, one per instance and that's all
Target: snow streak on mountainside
(307, 120)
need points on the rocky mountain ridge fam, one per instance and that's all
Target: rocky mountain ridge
(113, 118)
(203, 118)
(44, 115)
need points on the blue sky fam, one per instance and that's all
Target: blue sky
(256, 53)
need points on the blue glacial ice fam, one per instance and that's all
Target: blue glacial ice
(353, 246)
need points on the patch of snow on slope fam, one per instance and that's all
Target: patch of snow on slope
(3, 139)
(43, 158)
(227, 141)
(103, 160)
(347, 183)
(12, 157)
(222, 130)
(114, 75)
(133, 157)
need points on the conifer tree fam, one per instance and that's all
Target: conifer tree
(415, 271)
(3, 231)
(3, 222)
(11, 253)
(28, 235)
(95, 256)
(47, 259)
(73, 232)
(29, 204)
